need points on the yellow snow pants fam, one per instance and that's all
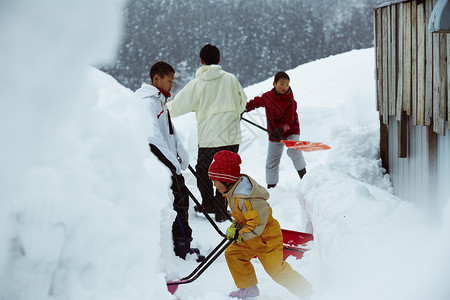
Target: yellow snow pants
(269, 249)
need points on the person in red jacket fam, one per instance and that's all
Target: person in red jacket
(282, 123)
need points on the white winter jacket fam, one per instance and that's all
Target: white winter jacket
(218, 100)
(169, 144)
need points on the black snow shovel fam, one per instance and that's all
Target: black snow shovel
(203, 210)
(294, 243)
(216, 252)
(223, 245)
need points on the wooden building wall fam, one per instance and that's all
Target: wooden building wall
(412, 84)
(413, 71)
(423, 177)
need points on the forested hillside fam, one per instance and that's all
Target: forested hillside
(256, 37)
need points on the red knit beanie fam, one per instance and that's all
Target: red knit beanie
(225, 167)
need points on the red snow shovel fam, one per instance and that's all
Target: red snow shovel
(299, 145)
(295, 243)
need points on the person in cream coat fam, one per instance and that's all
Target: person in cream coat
(217, 98)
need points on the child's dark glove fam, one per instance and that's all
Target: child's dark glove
(277, 133)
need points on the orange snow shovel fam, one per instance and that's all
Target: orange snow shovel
(305, 145)
(299, 145)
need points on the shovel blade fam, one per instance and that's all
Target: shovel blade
(172, 286)
(295, 243)
(305, 145)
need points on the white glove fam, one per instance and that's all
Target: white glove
(183, 158)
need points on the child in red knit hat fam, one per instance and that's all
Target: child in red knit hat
(255, 230)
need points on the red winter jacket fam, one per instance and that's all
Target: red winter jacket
(281, 111)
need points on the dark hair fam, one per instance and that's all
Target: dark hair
(160, 68)
(281, 75)
(227, 185)
(210, 54)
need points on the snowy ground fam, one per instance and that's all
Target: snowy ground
(85, 210)
(368, 243)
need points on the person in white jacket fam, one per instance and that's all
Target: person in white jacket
(217, 98)
(167, 147)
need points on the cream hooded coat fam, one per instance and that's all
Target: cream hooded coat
(218, 100)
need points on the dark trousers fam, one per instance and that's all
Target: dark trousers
(181, 231)
(204, 160)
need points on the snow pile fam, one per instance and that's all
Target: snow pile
(85, 209)
(79, 212)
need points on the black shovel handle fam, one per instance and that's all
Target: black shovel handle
(260, 127)
(205, 263)
(254, 124)
(204, 212)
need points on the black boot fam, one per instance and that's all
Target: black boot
(302, 172)
(209, 209)
(196, 251)
(183, 247)
(220, 217)
(269, 186)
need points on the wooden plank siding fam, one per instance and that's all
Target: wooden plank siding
(414, 49)
(392, 16)
(407, 57)
(412, 67)
(421, 39)
(399, 50)
(443, 82)
(429, 67)
(385, 64)
(378, 58)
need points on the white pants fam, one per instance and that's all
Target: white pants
(274, 152)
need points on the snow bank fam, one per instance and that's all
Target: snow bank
(368, 243)
(79, 209)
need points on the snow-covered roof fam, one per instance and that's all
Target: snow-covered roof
(387, 3)
(440, 17)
